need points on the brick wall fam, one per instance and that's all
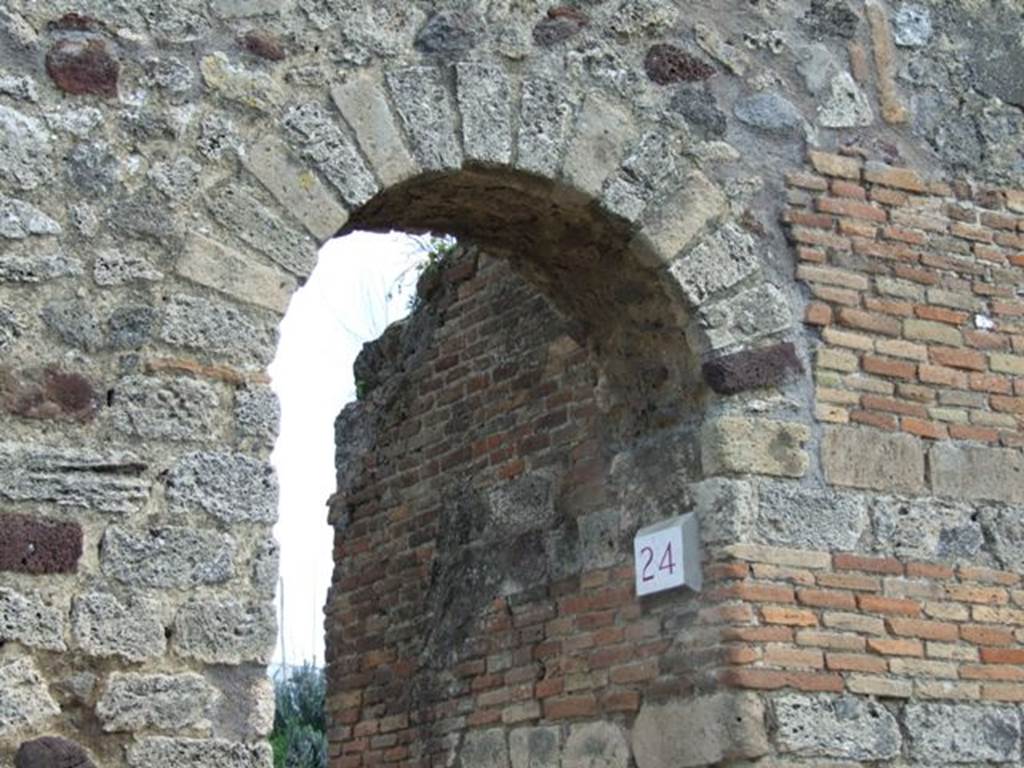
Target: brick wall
(482, 581)
(914, 285)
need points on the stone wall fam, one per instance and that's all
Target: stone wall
(675, 185)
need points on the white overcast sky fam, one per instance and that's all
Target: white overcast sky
(361, 284)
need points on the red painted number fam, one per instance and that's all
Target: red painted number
(649, 553)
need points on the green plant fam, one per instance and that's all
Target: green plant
(299, 739)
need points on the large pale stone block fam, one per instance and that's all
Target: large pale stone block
(758, 446)
(604, 130)
(977, 472)
(859, 457)
(217, 266)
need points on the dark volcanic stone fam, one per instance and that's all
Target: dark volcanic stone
(84, 67)
(448, 32)
(833, 18)
(263, 44)
(75, 22)
(666, 64)
(752, 369)
(52, 752)
(562, 23)
(697, 105)
(39, 547)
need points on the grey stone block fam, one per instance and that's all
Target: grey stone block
(744, 318)
(19, 220)
(547, 114)
(720, 261)
(167, 558)
(485, 103)
(520, 505)
(225, 631)
(26, 148)
(322, 142)
(1004, 529)
(25, 701)
(103, 625)
(265, 565)
(591, 744)
(791, 516)
(977, 472)
(27, 620)
(771, 112)
(700, 731)
(244, 338)
(869, 458)
(103, 481)
(113, 268)
(963, 733)
(195, 753)
(155, 702)
(539, 747)
(604, 131)
(170, 409)
(247, 218)
(131, 327)
(257, 413)
(74, 323)
(231, 487)
(845, 727)
(927, 529)
(37, 267)
(726, 509)
(425, 108)
(485, 749)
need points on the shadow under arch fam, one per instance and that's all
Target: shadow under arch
(628, 310)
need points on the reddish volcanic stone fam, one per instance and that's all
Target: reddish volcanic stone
(39, 547)
(84, 67)
(668, 64)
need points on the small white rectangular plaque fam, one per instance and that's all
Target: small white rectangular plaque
(667, 556)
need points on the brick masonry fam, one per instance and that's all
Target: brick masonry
(914, 287)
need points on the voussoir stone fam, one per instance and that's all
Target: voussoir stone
(134, 702)
(196, 753)
(701, 731)
(228, 486)
(168, 557)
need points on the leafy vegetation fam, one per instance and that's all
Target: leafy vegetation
(299, 737)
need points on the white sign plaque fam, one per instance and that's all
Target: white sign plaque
(667, 556)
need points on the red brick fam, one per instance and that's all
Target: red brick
(853, 208)
(927, 630)
(803, 180)
(849, 189)
(826, 598)
(768, 679)
(870, 321)
(982, 634)
(888, 646)
(889, 605)
(939, 374)
(922, 570)
(789, 616)
(890, 405)
(977, 434)
(855, 662)
(959, 358)
(992, 672)
(570, 707)
(793, 658)
(990, 382)
(818, 314)
(875, 419)
(888, 366)
(932, 430)
(1002, 655)
(941, 314)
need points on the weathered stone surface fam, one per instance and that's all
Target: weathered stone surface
(726, 509)
(963, 733)
(19, 220)
(700, 731)
(18, 86)
(37, 267)
(832, 18)
(234, 9)
(486, 749)
(190, 753)
(10, 329)
(867, 458)
(791, 516)
(524, 504)
(225, 631)
(296, 188)
(364, 103)
(74, 323)
(256, 90)
(241, 337)
(752, 369)
(928, 530)
(113, 268)
(172, 409)
(847, 105)
(562, 23)
(239, 210)
(547, 112)
(228, 486)
(265, 564)
(595, 744)
(912, 25)
(24, 700)
(604, 130)
(160, 702)
(264, 44)
(325, 145)
(93, 168)
(38, 546)
(449, 33)
(667, 64)
(26, 619)
(675, 225)
(84, 67)
(754, 445)
(217, 266)
(845, 727)
(178, 181)
(131, 327)
(167, 558)
(1004, 528)
(976, 472)
(257, 412)
(48, 394)
(697, 105)
(103, 625)
(52, 752)
(424, 106)
(104, 481)
(743, 318)
(485, 102)
(771, 112)
(535, 747)
(25, 150)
